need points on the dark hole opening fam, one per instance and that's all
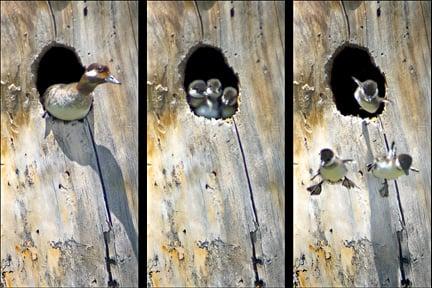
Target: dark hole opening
(58, 65)
(352, 60)
(207, 62)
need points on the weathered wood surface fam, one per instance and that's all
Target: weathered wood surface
(350, 238)
(54, 220)
(199, 206)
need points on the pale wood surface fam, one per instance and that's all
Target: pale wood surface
(184, 150)
(54, 214)
(350, 238)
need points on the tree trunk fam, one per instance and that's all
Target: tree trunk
(69, 190)
(215, 189)
(357, 237)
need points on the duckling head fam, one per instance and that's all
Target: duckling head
(214, 88)
(404, 162)
(229, 97)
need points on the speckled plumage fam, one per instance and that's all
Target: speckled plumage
(63, 101)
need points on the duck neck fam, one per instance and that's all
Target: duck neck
(84, 86)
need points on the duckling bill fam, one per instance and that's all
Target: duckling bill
(73, 101)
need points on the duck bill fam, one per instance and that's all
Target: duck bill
(112, 79)
(406, 172)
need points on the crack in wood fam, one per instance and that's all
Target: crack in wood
(53, 18)
(247, 174)
(405, 281)
(111, 282)
(258, 281)
(100, 173)
(347, 20)
(399, 203)
(200, 18)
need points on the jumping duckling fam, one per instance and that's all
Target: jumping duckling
(332, 169)
(367, 97)
(391, 167)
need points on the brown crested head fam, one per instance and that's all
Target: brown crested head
(98, 73)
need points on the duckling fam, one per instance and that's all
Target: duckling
(390, 167)
(214, 89)
(229, 100)
(73, 101)
(367, 97)
(332, 169)
(196, 92)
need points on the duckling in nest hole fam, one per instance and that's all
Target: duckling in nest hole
(73, 101)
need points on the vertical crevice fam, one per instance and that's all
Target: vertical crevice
(100, 173)
(258, 282)
(400, 204)
(53, 18)
(253, 234)
(200, 19)
(347, 20)
(247, 174)
(404, 282)
(111, 282)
